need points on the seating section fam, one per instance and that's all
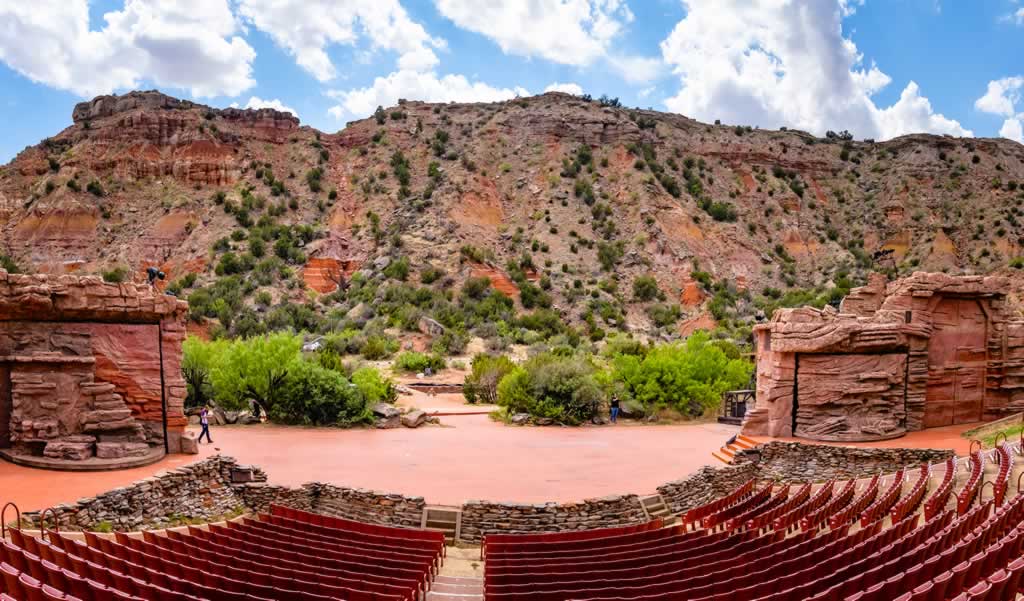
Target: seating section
(284, 555)
(889, 540)
(905, 536)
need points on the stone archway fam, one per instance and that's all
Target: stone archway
(957, 357)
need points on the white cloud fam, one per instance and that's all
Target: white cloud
(1001, 98)
(775, 63)
(1013, 129)
(569, 88)
(570, 32)
(189, 45)
(255, 102)
(306, 28)
(636, 69)
(415, 85)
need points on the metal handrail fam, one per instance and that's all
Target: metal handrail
(3, 518)
(43, 530)
(1003, 434)
(971, 451)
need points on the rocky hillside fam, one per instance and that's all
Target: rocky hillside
(559, 200)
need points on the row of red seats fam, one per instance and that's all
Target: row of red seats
(557, 541)
(764, 520)
(791, 521)
(693, 517)
(880, 508)
(1002, 481)
(718, 519)
(851, 512)
(777, 499)
(912, 501)
(616, 541)
(936, 503)
(815, 520)
(970, 490)
(356, 539)
(343, 524)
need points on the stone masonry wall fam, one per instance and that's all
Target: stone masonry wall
(198, 491)
(485, 517)
(706, 485)
(798, 462)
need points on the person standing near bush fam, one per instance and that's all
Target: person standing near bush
(615, 408)
(204, 420)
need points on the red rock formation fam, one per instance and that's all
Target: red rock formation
(82, 361)
(928, 350)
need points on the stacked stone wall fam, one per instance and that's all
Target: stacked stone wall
(706, 485)
(484, 517)
(199, 491)
(798, 462)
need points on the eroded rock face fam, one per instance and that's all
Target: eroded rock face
(79, 366)
(928, 350)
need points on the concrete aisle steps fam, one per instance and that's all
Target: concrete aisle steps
(726, 453)
(456, 588)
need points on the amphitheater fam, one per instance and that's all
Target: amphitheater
(782, 519)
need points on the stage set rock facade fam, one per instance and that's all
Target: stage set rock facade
(924, 351)
(90, 371)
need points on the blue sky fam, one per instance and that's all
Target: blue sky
(880, 68)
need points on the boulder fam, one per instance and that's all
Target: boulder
(189, 443)
(233, 417)
(248, 419)
(544, 421)
(521, 419)
(598, 420)
(414, 419)
(631, 409)
(386, 411)
(68, 451)
(430, 326)
(119, 450)
(388, 423)
(381, 262)
(193, 420)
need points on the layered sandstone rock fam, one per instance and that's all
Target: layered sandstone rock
(82, 361)
(928, 350)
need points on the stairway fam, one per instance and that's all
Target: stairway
(726, 453)
(444, 519)
(655, 507)
(456, 588)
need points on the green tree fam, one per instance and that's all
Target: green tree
(255, 368)
(689, 376)
(481, 383)
(547, 385)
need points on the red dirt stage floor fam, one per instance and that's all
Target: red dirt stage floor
(468, 457)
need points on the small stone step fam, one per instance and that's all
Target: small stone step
(472, 589)
(720, 457)
(459, 580)
(432, 596)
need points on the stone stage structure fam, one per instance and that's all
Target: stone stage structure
(90, 372)
(925, 351)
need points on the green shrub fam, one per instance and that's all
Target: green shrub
(645, 288)
(115, 275)
(413, 362)
(378, 347)
(564, 389)
(431, 274)
(398, 269)
(374, 386)
(690, 376)
(663, 314)
(314, 395)
(8, 264)
(481, 384)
